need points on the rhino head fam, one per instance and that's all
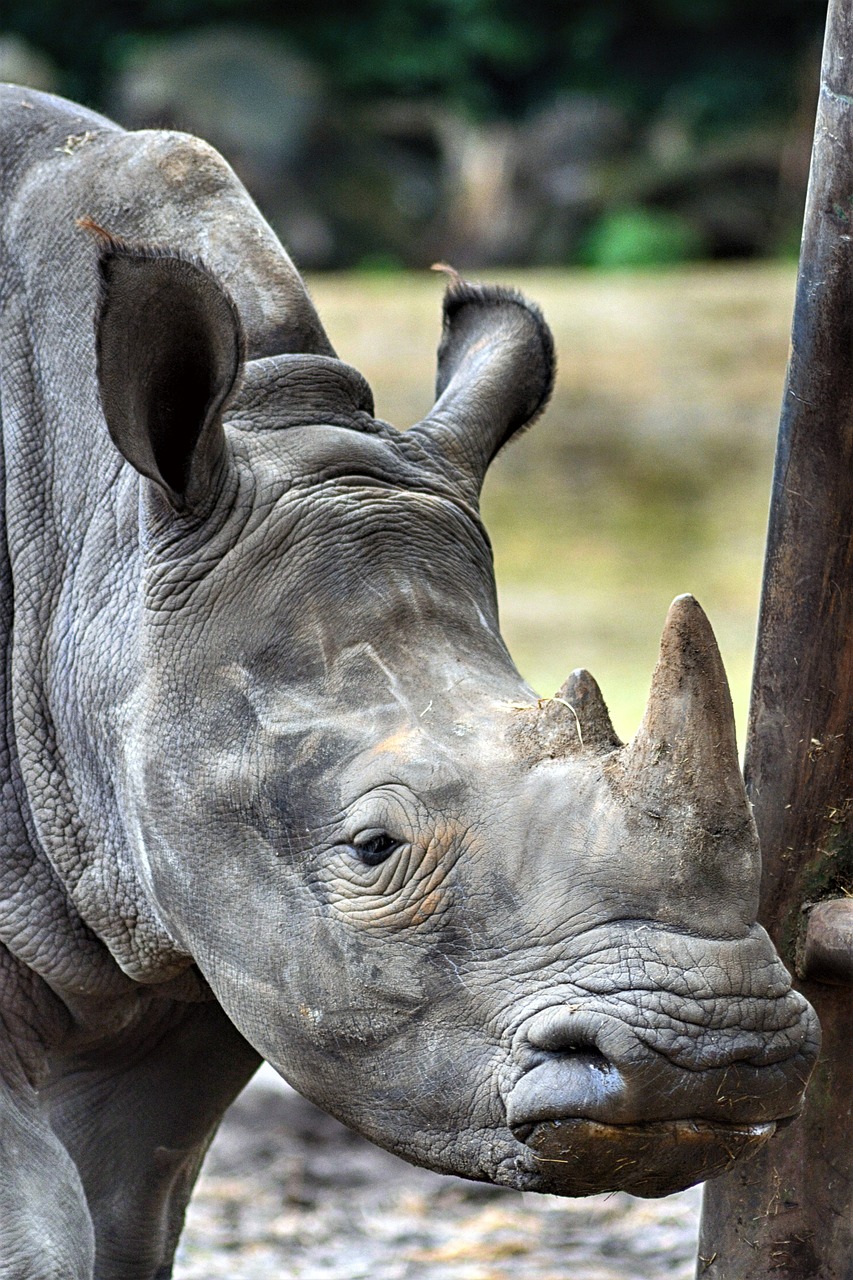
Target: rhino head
(467, 921)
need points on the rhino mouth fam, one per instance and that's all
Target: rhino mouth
(577, 1157)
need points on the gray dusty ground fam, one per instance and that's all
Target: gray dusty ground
(288, 1192)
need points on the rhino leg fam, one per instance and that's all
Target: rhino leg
(45, 1228)
(138, 1123)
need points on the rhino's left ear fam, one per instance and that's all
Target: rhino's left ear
(170, 346)
(496, 367)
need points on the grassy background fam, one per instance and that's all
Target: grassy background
(648, 476)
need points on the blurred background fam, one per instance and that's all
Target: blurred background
(386, 133)
(637, 166)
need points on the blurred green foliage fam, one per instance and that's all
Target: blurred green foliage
(719, 62)
(638, 237)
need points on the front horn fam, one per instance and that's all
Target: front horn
(683, 760)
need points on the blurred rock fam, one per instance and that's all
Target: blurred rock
(242, 90)
(489, 191)
(20, 63)
(730, 190)
(253, 99)
(376, 175)
(401, 182)
(562, 153)
(566, 139)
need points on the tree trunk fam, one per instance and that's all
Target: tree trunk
(789, 1212)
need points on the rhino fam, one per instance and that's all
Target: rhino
(273, 788)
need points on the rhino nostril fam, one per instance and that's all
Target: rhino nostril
(586, 1047)
(567, 1071)
(786, 1120)
(557, 1031)
(582, 1053)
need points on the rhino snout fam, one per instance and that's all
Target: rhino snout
(600, 1109)
(594, 1066)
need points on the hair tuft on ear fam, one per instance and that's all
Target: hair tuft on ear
(496, 369)
(463, 293)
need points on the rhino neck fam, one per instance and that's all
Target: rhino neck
(72, 534)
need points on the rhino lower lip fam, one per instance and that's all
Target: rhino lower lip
(523, 1131)
(576, 1156)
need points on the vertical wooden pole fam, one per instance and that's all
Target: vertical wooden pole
(788, 1214)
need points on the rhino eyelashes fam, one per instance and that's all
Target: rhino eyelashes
(374, 847)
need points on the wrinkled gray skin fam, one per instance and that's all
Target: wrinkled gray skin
(272, 786)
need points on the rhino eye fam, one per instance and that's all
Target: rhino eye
(373, 847)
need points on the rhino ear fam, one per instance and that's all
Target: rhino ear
(170, 347)
(496, 368)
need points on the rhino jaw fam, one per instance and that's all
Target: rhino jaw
(579, 1157)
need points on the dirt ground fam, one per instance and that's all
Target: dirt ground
(287, 1192)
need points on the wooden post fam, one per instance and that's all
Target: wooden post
(788, 1214)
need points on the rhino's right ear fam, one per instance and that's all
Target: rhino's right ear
(170, 346)
(496, 367)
